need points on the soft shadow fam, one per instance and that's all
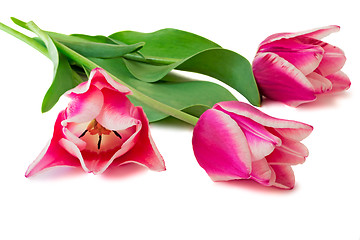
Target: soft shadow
(124, 171)
(326, 100)
(251, 185)
(56, 173)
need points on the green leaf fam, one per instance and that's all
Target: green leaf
(20, 23)
(193, 97)
(170, 49)
(166, 43)
(227, 66)
(222, 64)
(89, 48)
(64, 76)
(97, 38)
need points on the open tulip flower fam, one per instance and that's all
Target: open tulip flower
(99, 129)
(234, 140)
(295, 67)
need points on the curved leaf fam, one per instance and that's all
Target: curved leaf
(228, 67)
(97, 38)
(222, 64)
(89, 48)
(64, 77)
(166, 43)
(169, 49)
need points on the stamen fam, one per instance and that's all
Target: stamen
(99, 142)
(117, 134)
(83, 133)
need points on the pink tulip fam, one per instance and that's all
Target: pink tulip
(295, 67)
(99, 129)
(234, 140)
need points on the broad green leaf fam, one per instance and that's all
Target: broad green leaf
(228, 67)
(170, 49)
(193, 97)
(166, 43)
(222, 64)
(64, 76)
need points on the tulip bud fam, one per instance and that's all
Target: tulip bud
(295, 67)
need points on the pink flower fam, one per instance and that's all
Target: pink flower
(295, 67)
(234, 140)
(99, 129)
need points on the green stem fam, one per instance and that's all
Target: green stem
(31, 42)
(71, 54)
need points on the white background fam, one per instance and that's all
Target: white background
(182, 202)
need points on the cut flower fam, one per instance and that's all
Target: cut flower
(296, 67)
(99, 129)
(234, 140)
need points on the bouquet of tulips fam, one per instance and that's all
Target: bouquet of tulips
(118, 84)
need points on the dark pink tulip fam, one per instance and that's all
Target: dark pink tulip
(99, 129)
(234, 140)
(295, 67)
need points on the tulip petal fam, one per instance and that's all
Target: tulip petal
(102, 80)
(117, 111)
(340, 81)
(296, 134)
(53, 154)
(287, 128)
(261, 142)
(333, 60)
(144, 152)
(290, 152)
(261, 172)
(71, 148)
(305, 57)
(317, 33)
(99, 78)
(74, 138)
(220, 147)
(285, 177)
(320, 83)
(84, 107)
(280, 80)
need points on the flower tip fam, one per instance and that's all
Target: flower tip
(28, 174)
(348, 86)
(311, 128)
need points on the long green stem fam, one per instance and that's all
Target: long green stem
(137, 94)
(30, 41)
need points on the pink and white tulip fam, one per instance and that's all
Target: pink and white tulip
(295, 67)
(99, 129)
(234, 140)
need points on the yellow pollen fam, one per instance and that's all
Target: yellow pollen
(96, 128)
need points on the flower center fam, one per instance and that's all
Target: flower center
(96, 128)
